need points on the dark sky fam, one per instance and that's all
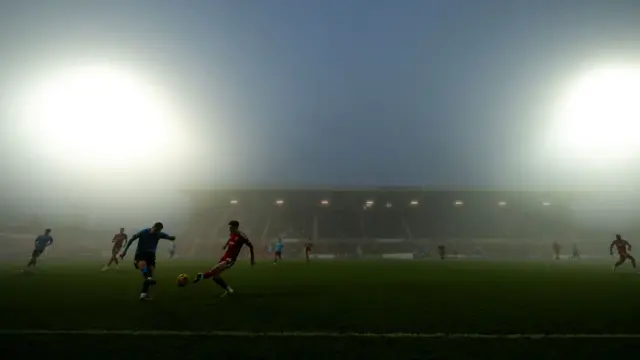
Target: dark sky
(443, 93)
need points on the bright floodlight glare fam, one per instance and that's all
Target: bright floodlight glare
(233, 202)
(324, 202)
(502, 203)
(458, 203)
(369, 203)
(100, 115)
(600, 115)
(388, 205)
(546, 204)
(413, 202)
(280, 202)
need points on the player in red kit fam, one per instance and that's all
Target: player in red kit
(236, 241)
(307, 249)
(556, 250)
(623, 247)
(442, 251)
(118, 241)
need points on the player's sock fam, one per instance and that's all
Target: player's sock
(221, 283)
(145, 287)
(198, 278)
(148, 282)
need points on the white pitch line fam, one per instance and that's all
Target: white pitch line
(299, 334)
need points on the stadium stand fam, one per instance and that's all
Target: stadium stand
(372, 222)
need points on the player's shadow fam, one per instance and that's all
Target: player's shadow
(284, 293)
(252, 296)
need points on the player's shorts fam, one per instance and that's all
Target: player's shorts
(623, 255)
(149, 258)
(116, 250)
(226, 263)
(36, 253)
(279, 253)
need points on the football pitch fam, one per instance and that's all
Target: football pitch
(326, 309)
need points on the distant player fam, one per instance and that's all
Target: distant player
(277, 254)
(145, 258)
(234, 244)
(42, 242)
(623, 247)
(442, 251)
(576, 252)
(556, 250)
(307, 249)
(118, 241)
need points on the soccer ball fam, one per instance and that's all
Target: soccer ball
(182, 280)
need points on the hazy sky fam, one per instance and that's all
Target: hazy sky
(442, 93)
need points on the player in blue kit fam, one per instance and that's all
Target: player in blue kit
(277, 255)
(42, 242)
(145, 257)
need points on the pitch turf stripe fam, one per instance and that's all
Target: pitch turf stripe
(299, 334)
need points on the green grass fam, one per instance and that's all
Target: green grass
(381, 297)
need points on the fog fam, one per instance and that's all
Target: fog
(116, 114)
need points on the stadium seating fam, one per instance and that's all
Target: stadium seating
(378, 221)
